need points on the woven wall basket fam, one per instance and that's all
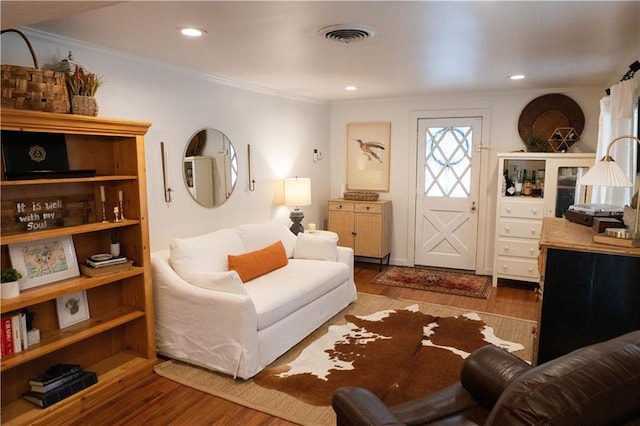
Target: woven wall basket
(32, 88)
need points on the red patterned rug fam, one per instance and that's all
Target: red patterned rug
(442, 281)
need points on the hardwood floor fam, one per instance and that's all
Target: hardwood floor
(155, 400)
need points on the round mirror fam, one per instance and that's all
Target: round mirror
(210, 167)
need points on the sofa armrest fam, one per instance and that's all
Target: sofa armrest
(213, 329)
(488, 371)
(356, 406)
(346, 256)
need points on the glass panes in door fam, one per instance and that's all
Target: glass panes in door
(448, 162)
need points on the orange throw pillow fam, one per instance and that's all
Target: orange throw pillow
(253, 264)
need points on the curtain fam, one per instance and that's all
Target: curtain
(616, 119)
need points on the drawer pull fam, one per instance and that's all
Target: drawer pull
(531, 250)
(530, 269)
(534, 211)
(506, 248)
(533, 231)
(504, 267)
(506, 229)
(508, 209)
(368, 207)
(340, 206)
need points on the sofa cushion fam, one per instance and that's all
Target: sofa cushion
(316, 247)
(229, 281)
(259, 235)
(206, 253)
(259, 262)
(285, 290)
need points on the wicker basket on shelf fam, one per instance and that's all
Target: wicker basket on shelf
(32, 88)
(361, 196)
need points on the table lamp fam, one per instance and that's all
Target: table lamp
(607, 172)
(297, 193)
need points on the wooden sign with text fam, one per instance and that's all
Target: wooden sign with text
(39, 214)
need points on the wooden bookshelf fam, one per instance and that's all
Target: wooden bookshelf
(117, 341)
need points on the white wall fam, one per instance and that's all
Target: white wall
(502, 110)
(282, 132)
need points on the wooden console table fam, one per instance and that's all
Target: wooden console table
(591, 291)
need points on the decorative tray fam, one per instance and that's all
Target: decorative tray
(361, 196)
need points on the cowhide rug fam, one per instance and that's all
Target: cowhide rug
(397, 354)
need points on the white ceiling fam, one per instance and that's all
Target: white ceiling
(420, 47)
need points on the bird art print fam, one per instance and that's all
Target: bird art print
(370, 149)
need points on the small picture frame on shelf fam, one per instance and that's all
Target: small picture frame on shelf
(72, 309)
(44, 261)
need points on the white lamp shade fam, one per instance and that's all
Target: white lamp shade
(297, 192)
(605, 173)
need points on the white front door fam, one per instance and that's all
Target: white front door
(448, 175)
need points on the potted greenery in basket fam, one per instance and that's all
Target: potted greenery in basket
(83, 86)
(9, 283)
(536, 144)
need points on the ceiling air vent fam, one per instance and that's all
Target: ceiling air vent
(347, 33)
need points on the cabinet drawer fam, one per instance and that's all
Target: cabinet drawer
(368, 208)
(526, 209)
(337, 205)
(520, 228)
(518, 268)
(517, 248)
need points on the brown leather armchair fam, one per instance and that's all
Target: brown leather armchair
(595, 385)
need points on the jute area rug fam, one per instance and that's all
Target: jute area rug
(433, 279)
(399, 349)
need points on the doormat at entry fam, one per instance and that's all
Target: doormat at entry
(442, 281)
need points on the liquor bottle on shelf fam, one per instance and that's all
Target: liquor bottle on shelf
(510, 188)
(526, 184)
(534, 185)
(516, 177)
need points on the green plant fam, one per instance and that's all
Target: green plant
(82, 83)
(9, 275)
(536, 144)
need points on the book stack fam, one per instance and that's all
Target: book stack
(14, 334)
(95, 267)
(57, 383)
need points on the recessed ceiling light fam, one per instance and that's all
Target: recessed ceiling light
(351, 88)
(516, 77)
(192, 32)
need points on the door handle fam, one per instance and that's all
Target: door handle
(473, 206)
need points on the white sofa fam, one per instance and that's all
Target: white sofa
(206, 316)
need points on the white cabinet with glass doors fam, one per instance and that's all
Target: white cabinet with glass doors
(551, 188)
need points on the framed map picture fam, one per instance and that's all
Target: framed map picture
(368, 149)
(44, 261)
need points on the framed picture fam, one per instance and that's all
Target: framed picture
(44, 261)
(368, 149)
(72, 309)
